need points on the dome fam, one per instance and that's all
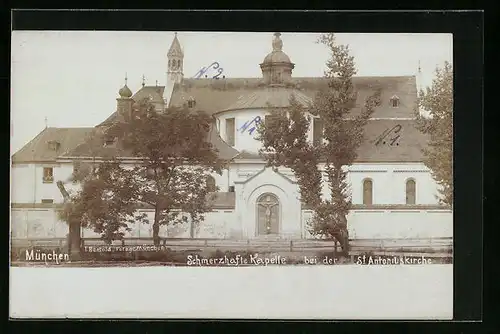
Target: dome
(125, 92)
(277, 57)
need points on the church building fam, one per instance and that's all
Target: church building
(393, 192)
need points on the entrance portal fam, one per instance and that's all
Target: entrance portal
(268, 214)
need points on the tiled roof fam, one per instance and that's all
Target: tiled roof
(40, 148)
(225, 151)
(155, 93)
(214, 95)
(275, 96)
(406, 148)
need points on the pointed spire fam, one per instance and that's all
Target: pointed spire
(143, 80)
(46, 122)
(419, 69)
(126, 78)
(175, 48)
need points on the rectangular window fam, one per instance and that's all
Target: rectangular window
(48, 175)
(317, 131)
(47, 201)
(230, 129)
(269, 119)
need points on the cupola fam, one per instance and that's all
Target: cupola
(277, 67)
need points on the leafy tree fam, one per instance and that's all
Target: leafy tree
(71, 212)
(105, 202)
(285, 143)
(437, 100)
(176, 159)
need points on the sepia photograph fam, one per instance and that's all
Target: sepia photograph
(140, 152)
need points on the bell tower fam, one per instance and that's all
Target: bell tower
(175, 67)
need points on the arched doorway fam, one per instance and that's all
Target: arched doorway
(268, 214)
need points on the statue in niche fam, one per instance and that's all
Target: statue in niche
(268, 203)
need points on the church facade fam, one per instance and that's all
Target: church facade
(393, 193)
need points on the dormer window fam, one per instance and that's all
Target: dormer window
(54, 145)
(395, 101)
(109, 141)
(191, 102)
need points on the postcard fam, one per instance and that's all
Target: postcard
(231, 175)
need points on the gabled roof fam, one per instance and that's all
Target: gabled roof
(407, 148)
(87, 149)
(39, 149)
(262, 171)
(214, 95)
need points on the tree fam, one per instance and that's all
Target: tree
(73, 211)
(176, 159)
(437, 100)
(285, 143)
(105, 203)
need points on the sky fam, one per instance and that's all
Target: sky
(72, 78)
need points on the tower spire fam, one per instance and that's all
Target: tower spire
(143, 81)
(126, 79)
(175, 67)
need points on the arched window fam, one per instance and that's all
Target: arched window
(367, 192)
(410, 191)
(211, 184)
(169, 63)
(179, 63)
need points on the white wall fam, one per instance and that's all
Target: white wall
(243, 140)
(44, 223)
(389, 182)
(27, 182)
(37, 223)
(362, 224)
(405, 224)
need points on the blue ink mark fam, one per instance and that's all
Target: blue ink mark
(255, 121)
(200, 73)
(220, 70)
(215, 65)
